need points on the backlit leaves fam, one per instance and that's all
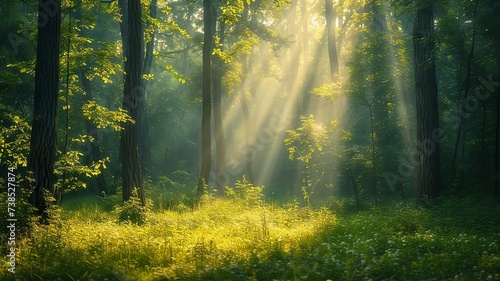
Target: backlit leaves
(103, 117)
(14, 140)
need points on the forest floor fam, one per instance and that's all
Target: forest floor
(244, 238)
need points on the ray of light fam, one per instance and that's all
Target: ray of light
(274, 104)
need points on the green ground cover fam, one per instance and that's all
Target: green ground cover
(241, 237)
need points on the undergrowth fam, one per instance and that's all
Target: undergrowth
(240, 237)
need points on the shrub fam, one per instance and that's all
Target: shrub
(246, 191)
(133, 211)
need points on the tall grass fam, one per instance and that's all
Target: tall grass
(239, 237)
(90, 242)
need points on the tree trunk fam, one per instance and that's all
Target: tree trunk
(122, 5)
(330, 29)
(206, 153)
(428, 172)
(293, 83)
(129, 142)
(374, 157)
(497, 150)
(220, 146)
(145, 147)
(43, 135)
(248, 125)
(461, 128)
(305, 31)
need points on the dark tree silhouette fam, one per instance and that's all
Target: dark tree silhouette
(332, 44)
(129, 142)
(218, 71)
(428, 171)
(43, 136)
(206, 153)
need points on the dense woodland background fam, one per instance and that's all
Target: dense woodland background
(141, 107)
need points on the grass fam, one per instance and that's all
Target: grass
(242, 238)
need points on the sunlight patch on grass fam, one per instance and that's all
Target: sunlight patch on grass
(222, 232)
(240, 239)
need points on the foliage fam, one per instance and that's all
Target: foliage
(246, 192)
(225, 240)
(23, 212)
(182, 177)
(132, 211)
(103, 117)
(306, 144)
(69, 168)
(330, 91)
(14, 140)
(176, 193)
(305, 140)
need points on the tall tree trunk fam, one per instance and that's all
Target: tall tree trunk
(220, 146)
(332, 44)
(305, 31)
(43, 135)
(248, 125)
(206, 153)
(497, 130)
(129, 142)
(122, 4)
(428, 172)
(293, 83)
(497, 150)
(374, 157)
(145, 147)
(58, 192)
(461, 129)
(124, 34)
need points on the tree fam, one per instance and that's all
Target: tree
(426, 89)
(143, 119)
(129, 142)
(330, 29)
(91, 128)
(206, 154)
(218, 72)
(43, 136)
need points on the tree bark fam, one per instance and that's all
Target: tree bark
(129, 142)
(461, 127)
(220, 146)
(293, 83)
(305, 31)
(43, 135)
(122, 5)
(145, 147)
(206, 153)
(497, 150)
(332, 44)
(248, 125)
(426, 88)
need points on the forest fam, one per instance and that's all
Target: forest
(250, 140)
